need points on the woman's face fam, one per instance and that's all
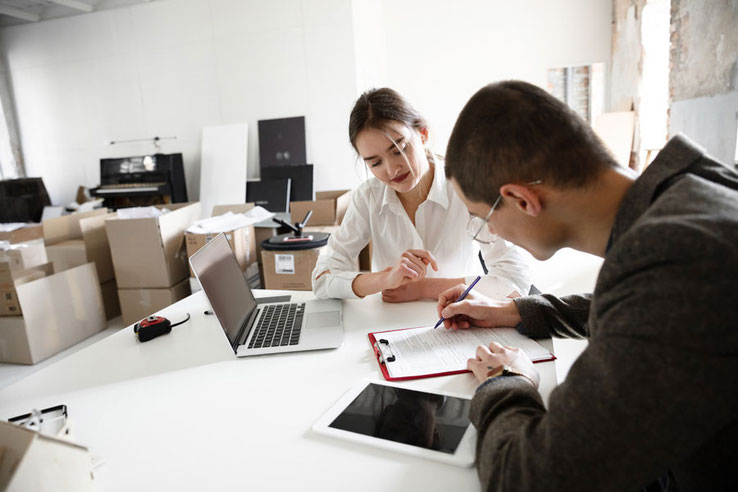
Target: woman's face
(385, 158)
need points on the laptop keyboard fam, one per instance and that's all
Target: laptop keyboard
(279, 325)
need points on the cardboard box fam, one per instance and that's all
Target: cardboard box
(241, 240)
(136, 304)
(21, 256)
(260, 233)
(111, 304)
(238, 208)
(58, 311)
(97, 246)
(35, 461)
(328, 208)
(9, 304)
(67, 227)
(150, 253)
(79, 238)
(27, 233)
(289, 270)
(67, 254)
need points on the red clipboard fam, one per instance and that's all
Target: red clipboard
(383, 365)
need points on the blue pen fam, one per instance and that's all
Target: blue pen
(461, 298)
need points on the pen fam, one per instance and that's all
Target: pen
(461, 298)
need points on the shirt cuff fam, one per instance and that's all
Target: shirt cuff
(492, 286)
(339, 285)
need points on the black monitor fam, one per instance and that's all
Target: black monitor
(272, 194)
(22, 200)
(282, 142)
(301, 176)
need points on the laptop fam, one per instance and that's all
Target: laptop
(268, 328)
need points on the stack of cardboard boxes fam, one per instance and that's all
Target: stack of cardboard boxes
(242, 241)
(45, 309)
(150, 259)
(56, 311)
(292, 270)
(20, 263)
(80, 238)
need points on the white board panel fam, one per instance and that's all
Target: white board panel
(223, 166)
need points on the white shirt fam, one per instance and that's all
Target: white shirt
(376, 214)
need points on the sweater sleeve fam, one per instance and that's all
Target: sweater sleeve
(546, 315)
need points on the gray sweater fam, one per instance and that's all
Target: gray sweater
(656, 391)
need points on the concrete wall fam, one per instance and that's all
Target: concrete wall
(704, 74)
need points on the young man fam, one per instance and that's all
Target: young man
(652, 403)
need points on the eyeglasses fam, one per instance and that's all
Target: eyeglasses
(477, 226)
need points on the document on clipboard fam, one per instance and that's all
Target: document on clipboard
(422, 352)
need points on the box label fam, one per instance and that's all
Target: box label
(284, 264)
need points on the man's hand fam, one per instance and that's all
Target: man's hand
(490, 358)
(475, 309)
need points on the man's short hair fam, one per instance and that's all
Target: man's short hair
(515, 132)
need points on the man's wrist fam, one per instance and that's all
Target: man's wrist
(507, 371)
(512, 314)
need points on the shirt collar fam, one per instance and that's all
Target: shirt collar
(437, 192)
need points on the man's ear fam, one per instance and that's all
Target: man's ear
(523, 198)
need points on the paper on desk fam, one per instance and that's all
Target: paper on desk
(12, 226)
(425, 351)
(141, 212)
(230, 221)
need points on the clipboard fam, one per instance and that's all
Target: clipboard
(385, 355)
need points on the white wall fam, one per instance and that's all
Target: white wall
(438, 56)
(170, 67)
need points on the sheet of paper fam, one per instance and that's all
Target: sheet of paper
(422, 351)
(230, 221)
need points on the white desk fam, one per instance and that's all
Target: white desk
(181, 412)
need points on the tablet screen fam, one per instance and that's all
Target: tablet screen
(427, 420)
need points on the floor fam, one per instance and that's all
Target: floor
(567, 272)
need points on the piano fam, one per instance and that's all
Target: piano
(141, 181)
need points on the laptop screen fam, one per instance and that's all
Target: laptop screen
(224, 284)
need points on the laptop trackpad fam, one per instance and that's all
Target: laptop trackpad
(323, 320)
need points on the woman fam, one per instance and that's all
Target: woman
(416, 223)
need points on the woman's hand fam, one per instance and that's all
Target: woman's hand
(411, 267)
(475, 309)
(490, 358)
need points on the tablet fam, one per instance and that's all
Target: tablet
(406, 419)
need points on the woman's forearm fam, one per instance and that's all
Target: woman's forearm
(366, 284)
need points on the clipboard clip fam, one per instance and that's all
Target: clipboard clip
(383, 350)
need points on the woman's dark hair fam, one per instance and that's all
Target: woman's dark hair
(376, 108)
(515, 132)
